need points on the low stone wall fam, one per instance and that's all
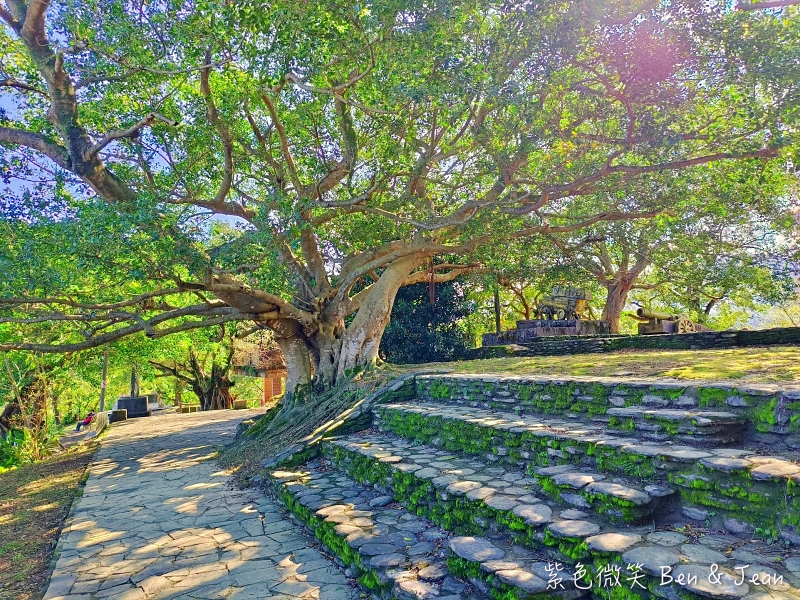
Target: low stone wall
(100, 422)
(772, 412)
(552, 346)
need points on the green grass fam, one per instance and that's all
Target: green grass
(34, 501)
(756, 365)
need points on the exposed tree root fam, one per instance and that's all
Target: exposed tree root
(291, 421)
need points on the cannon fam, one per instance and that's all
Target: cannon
(653, 321)
(564, 303)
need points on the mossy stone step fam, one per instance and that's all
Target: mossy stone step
(466, 496)
(715, 478)
(767, 408)
(693, 427)
(505, 570)
(618, 499)
(389, 551)
(491, 542)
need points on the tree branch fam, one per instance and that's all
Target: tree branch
(33, 26)
(50, 148)
(9, 18)
(284, 141)
(130, 132)
(19, 85)
(579, 185)
(91, 306)
(227, 142)
(225, 314)
(455, 271)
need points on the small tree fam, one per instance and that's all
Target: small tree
(207, 376)
(24, 420)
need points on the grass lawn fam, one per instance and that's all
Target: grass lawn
(773, 364)
(34, 501)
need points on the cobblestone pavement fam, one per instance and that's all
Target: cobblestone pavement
(159, 519)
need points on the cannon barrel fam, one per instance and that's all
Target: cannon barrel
(654, 314)
(637, 317)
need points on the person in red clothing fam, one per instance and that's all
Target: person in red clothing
(86, 421)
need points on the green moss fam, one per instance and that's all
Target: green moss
(671, 393)
(369, 580)
(547, 485)
(712, 397)
(463, 568)
(669, 427)
(613, 507)
(632, 465)
(262, 423)
(300, 458)
(439, 390)
(764, 417)
(597, 408)
(573, 548)
(622, 424)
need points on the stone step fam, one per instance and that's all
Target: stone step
(692, 427)
(550, 490)
(458, 493)
(770, 411)
(717, 478)
(396, 554)
(617, 499)
(507, 535)
(387, 549)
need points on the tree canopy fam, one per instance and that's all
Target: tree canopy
(175, 166)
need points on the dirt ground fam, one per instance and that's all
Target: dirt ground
(34, 501)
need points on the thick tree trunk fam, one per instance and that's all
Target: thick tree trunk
(336, 351)
(362, 339)
(213, 387)
(214, 393)
(296, 353)
(616, 298)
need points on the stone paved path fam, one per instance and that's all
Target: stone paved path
(158, 519)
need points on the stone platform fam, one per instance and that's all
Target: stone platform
(137, 406)
(530, 330)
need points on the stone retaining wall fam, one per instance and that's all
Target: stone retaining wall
(552, 346)
(772, 412)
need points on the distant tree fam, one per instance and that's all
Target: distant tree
(421, 332)
(207, 375)
(785, 314)
(720, 281)
(724, 236)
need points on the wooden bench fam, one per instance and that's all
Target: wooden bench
(188, 408)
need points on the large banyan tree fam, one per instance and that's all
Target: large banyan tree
(172, 165)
